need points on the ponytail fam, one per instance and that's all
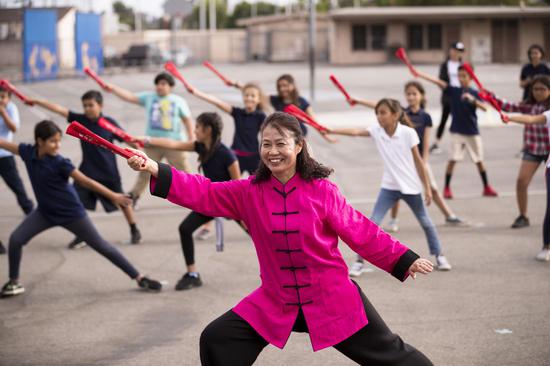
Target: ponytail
(214, 121)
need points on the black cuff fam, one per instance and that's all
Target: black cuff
(402, 266)
(164, 181)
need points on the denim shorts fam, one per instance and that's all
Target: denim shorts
(527, 156)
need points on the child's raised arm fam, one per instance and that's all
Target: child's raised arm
(122, 93)
(363, 102)
(53, 107)
(167, 143)
(10, 146)
(209, 98)
(350, 132)
(441, 83)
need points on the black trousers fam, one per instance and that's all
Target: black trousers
(188, 226)
(230, 340)
(8, 171)
(444, 117)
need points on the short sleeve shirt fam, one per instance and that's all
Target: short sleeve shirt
(97, 163)
(164, 115)
(216, 168)
(5, 132)
(463, 112)
(279, 105)
(547, 115)
(421, 121)
(49, 176)
(530, 71)
(396, 152)
(247, 128)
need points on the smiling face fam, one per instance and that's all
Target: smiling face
(279, 151)
(251, 98)
(49, 146)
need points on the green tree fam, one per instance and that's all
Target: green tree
(244, 10)
(125, 13)
(193, 20)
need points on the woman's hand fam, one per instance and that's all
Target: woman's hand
(428, 196)
(122, 200)
(420, 265)
(141, 163)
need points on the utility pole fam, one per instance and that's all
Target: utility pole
(212, 16)
(312, 30)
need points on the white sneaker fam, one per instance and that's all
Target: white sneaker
(543, 256)
(357, 268)
(204, 234)
(442, 263)
(392, 226)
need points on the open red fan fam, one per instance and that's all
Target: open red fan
(172, 69)
(304, 117)
(484, 94)
(402, 55)
(219, 74)
(80, 132)
(103, 123)
(12, 89)
(342, 89)
(96, 78)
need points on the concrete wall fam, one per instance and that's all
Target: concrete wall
(476, 36)
(12, 54)
(531, 32)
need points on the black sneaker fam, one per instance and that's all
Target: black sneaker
(521, 221)
(2, 248)
(12, 289)
(135, 236)
(187, 282)
(77, 243)
(150, 284)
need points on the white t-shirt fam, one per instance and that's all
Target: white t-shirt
(5, 132)
(547, 115)
(399, 169)
(452, 69)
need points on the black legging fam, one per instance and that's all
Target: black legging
(82, 228)
(546, 225)
(444, 117)
(230, 340)
(187, 227)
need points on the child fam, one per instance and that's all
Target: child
(9, 123)
(404, 173)
(247, 124)
(536, 66)
(97, 163)
(422, 121)
(540, 119)
(295, 217)
(219, 164)
(58, 205)
(464, 130)
(536, 144)
(165, 113)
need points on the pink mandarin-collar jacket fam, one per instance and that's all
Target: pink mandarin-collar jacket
(295, 229)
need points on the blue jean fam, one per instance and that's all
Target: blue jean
(385, 201)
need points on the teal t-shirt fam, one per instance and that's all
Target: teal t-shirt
(164, 115)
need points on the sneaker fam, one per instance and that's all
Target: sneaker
(12, 289)
(135, 236)
(520, 221)
(454, 221)
(442, 263)
(188, 281)
(77, 243)
(2, 248)
(357, 269)
(435, 149)
(447, 193)
(489, 192)
(544, 255)
(392, 226)
(150, 284)
(203, 234)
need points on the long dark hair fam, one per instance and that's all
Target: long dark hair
(415, 84)
(214, 121)
(46, 129)
(396, 108)
(539, 79)
(306, 166)
(295, 94)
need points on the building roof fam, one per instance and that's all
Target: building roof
(440, 12)
(266, 19)
(15, 15)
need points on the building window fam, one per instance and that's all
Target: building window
(434, 37)
(359, 37)
(378, 33)
(416, 37)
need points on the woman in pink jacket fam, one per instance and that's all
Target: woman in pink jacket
(295, 217)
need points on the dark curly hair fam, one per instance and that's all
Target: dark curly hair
(306, 166)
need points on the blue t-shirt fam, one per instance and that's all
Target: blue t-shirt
(49, 176)
(421, 121)
(164, 115)
(5, 133)
(463, 112)
(216, 167)
(247, 128)
(279, 105)
(97, 163)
